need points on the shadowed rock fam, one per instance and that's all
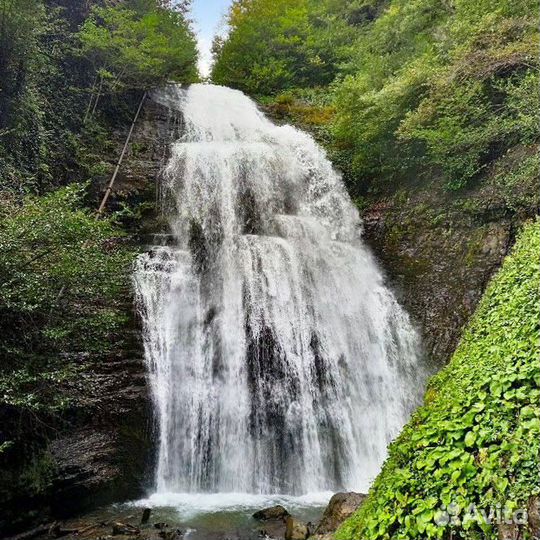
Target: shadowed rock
(275, 512)
(340, 507)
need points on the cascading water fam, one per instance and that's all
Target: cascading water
(279, 361)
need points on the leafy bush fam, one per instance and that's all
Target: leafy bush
(438, 89)
(139, 48)
(422, 89)
(476, 441)
(63, 275)
(280, 44)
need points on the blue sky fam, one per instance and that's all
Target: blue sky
(208, 17)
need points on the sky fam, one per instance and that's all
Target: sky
(208, 16)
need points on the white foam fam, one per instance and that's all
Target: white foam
(190, 505)
(279, 360)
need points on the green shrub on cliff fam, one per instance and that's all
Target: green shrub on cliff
(474, 446)
(138, 46)
(63, 275)
(422, 89)
(439, 88)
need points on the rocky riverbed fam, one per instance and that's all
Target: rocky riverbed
(300, 520)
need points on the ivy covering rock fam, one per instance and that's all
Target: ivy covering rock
(469, 458)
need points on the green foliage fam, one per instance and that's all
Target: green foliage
(439, 89)
(422, 89)
(30, 56)
(139, 48)
(476, 441)
(273, 46)
(61, 67)
(5, 446)
(62, 273)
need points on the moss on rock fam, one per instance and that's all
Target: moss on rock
(474, 445)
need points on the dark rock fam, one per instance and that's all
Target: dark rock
(534, 516)
(275, 512)
(147, 512)
(171, 535)
(508, 532)
(340, 507)
(33, 533)
(57, 531)
(296, 530)
(439, 266)
(273, 528)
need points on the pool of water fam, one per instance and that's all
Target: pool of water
(220, 516)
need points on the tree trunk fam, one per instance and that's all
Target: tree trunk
(124, 150)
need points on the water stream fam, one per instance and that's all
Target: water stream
(279, 361)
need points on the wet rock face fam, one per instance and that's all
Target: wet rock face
(341, 507)
(439, 265)
(109, 456)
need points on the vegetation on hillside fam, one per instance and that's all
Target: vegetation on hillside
(62, 277)
(71, 73)
(419, 88)
(138, 47)
(474, 447)
(71, 69)
(68, 76)
(281, 44)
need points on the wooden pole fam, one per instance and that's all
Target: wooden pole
(91, 100)
(124, 150)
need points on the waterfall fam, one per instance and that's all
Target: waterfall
(278, 359)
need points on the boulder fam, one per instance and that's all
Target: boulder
(273, 528)
(147, 512)
(508, 532)
(340, 507)
(275, 512)
(296, 530)
(534, 516)
(171, 535)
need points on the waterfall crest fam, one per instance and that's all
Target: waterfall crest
(279, 361)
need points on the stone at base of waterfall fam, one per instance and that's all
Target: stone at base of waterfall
(275, 512)
(340, 507)
(296, 530)
(533, 511)
(274, 521)
(508, 532)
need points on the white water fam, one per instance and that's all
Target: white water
(279, 361)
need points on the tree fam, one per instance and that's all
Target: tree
(279, 44)
(61, 273)
(139, 46)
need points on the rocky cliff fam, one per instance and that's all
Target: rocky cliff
(440, 249)
(100, 449)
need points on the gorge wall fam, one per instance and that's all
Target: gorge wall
(441, 248)
(100, 449)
